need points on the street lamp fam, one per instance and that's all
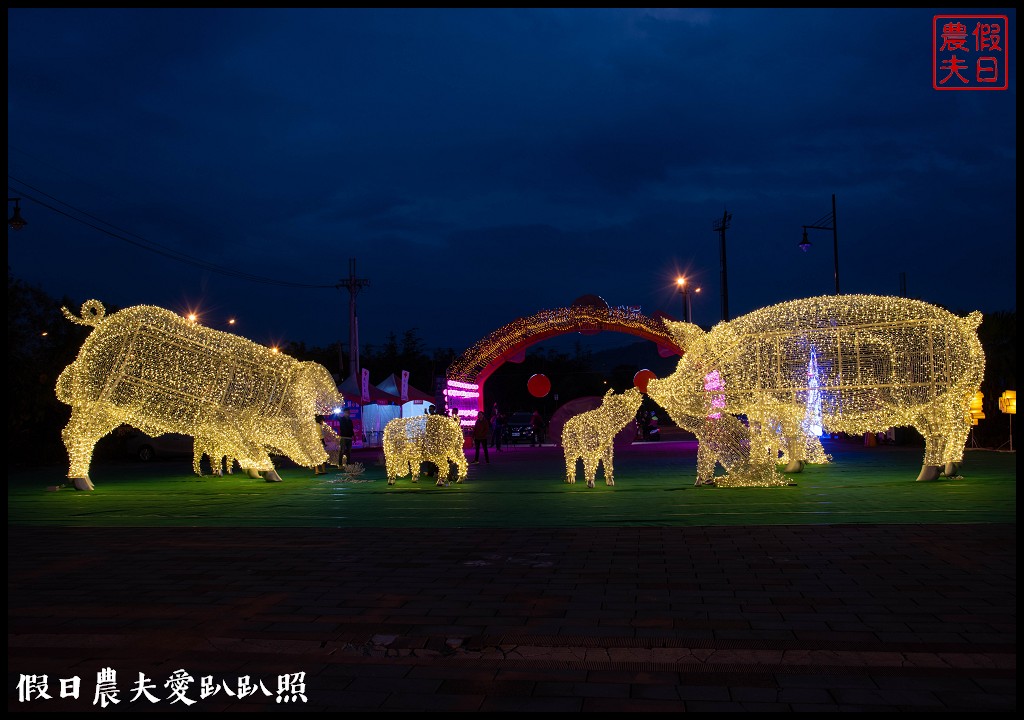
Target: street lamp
(16, 221)
(805, 244)
(685, 292)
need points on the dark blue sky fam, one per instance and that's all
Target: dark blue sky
(482, 165)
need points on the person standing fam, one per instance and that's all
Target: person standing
(330, 443)
(481, 430)
(496, 426)
(653, 433)
(345, 434)
(537, 429)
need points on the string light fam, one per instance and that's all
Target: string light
(590, 435)
(152, 369)
(409, 442)
(881, 362)
(470, 371)
(464, 397)
(476, 363)
(748, 457)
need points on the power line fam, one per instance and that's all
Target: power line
(141, 242)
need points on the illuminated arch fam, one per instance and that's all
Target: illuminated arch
(588, 315)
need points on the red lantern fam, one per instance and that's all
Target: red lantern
(641, 379)
(538, 385)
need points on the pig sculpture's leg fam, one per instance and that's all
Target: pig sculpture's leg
(730, 441)
(590, 469)
(203, 445)
(251, 457)
(765, 441)
(442, 469)
(83, 431)
(959, 424)
(222, 461)
(609, 471)
(796, 447)
(253, 470)
(945, 432)
(393, 458)
(705, 463)
(231, 447)
(218, 462)
(794, 466)
(710, 446)
(461, 466)
(571, 459)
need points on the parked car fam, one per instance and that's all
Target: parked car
(518, 428)
(143, 447)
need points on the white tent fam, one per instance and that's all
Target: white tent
(381, 408)
(375, 417)
(419, 402)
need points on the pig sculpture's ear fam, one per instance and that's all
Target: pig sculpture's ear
(684, 334)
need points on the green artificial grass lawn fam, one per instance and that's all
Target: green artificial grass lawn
(524, 487)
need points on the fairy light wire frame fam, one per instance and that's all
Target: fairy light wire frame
(882, 362)
(409, 442)
(590, 435)
(154, 370)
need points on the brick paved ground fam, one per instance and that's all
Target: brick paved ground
(785, 618)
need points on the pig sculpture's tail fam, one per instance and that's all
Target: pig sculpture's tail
(93, 313)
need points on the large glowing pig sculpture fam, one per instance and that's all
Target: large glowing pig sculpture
(154, 370)
(870, 362)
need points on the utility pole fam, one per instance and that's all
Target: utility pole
(354, 285)
(720, 227)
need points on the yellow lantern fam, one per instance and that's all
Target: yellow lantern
(977, 413)
(1008, 402)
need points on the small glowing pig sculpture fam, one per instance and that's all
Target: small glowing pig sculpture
(590, 435)
(408, 442)
(152, 369)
